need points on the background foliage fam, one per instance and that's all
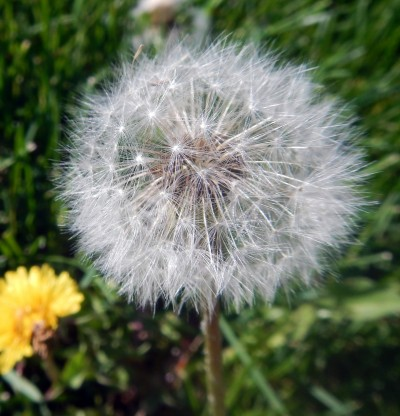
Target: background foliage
(331, 350)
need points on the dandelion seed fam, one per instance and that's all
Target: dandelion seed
(236, 177)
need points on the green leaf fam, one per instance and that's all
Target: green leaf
(331, 402)
(304, 318)
(75, 371)
(22, 385)
(375, 304)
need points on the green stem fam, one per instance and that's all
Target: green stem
(213, 361)
(51, 369)
(53, 373)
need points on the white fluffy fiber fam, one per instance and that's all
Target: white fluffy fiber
(210, 172)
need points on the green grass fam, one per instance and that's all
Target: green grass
(328, 351)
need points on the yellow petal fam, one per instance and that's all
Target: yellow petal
(29, 298)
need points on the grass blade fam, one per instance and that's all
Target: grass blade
(258, 378)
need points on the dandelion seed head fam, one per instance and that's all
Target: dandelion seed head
(231, 178)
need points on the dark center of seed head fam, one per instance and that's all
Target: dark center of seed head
(204, 169)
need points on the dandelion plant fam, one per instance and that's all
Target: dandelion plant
(210, 173)
(31, 303)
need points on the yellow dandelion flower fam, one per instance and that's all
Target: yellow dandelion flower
(32, 301)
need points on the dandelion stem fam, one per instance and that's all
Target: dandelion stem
(213, 361)
(53, 373)
(51, 369)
